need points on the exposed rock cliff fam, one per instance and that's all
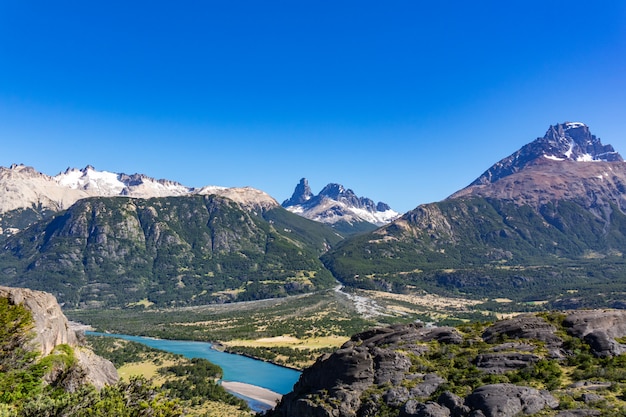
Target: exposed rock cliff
(51, 325)
(51, 328)
(511, 368)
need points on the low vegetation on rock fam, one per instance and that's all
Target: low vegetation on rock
(549, 364)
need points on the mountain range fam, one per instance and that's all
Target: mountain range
(545, 224)
(29, 195)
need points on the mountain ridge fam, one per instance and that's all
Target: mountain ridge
(180, 250)
(30, 195)
(571, 141)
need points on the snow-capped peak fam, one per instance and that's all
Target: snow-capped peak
(569, 141)
(335, 203)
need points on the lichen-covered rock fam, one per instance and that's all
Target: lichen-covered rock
(508, 400)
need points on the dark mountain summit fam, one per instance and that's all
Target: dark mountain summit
(564, 141)
(300, 195)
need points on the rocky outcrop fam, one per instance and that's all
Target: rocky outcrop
(300, 195)
(51, 328)
(525, 327)
(599, 328)
(412, 370)
(337, 383)
(98, 371)
(51, 325)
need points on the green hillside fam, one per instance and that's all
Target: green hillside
(490, 248)
(167, 251)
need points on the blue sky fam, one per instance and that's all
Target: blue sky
(404, 102)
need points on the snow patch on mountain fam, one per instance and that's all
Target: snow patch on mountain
(88, 179)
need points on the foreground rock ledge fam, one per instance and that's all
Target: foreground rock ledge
(401, 370)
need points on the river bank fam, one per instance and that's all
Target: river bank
(260, 394)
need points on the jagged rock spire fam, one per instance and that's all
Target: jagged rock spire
(301, 194)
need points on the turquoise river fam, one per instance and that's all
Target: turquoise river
(236, 368)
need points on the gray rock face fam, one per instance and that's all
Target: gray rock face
(51, 328)
(507, 400)
(525, 326)
(98, 371)
(499, 363)
(599, 328)
(335, 384)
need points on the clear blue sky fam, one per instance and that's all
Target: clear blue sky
(402, 101)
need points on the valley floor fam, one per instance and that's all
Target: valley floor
(292, 331)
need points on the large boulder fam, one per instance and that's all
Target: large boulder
(524, 326)
(508, 400)
(599, 328)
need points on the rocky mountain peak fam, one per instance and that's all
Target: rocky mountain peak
(336, 204)
(301, 194)
(336, 191)
(574, 141)
(569, 141)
